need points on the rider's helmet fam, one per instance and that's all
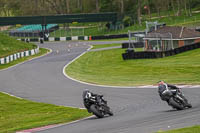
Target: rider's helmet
(86, 93)
(161, 82)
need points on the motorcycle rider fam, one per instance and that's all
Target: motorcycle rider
(162, 87)
(98, 97)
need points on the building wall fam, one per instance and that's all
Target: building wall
(197, 40)
(146, 44)
(180, 43)
(167, 45)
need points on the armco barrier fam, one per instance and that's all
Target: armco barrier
(158, 54)
(10, 58)
(76, 38)
(81, 38)
(34, 39)
(55, 39)
(133, 45)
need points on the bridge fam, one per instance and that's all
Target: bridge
(56, 19)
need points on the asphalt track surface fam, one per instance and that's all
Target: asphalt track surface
(136, 110)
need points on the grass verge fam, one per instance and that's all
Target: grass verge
(10, 45)
(96, 46)
(18, 114)
(108, 68)
(115, 39)
(42, 52)
(193, 129)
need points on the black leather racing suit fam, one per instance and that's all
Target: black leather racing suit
(172, 88)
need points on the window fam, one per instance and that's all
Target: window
(188, 42)
(175, 43)
(154, 45)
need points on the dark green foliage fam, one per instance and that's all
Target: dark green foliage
(44, 7)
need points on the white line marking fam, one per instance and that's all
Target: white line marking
(147, 86)
(90, 83)
(11, 95)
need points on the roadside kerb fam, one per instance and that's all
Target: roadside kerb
(48, 126)
(10, 58)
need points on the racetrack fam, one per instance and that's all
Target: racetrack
(136, 110)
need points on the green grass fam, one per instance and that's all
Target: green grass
(180, 20)
(108, 68)
(94, 31)
(116, 39)
(194, 129)
(10, 45)
(96, 46)
(18, 114)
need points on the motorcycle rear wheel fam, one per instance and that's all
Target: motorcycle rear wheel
(95, 110)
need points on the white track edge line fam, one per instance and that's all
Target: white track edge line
(27, 60)
(11, 95)
(79, 81)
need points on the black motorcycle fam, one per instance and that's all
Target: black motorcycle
(176, 99)
(96, 104)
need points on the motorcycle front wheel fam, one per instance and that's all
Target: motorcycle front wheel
(110, 112)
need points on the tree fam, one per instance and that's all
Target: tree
(139, 12)
(172, 4)
(179, 8)
(9, 7)
(80, 5)
(106, 6)
(67, 6)
(53, 5)
(189, 8)
(97, 5)
(158, 5)
(149, 8)
(168, 7)
(121, 3)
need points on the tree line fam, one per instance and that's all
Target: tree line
(133, 8)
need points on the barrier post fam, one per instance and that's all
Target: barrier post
(90, 38)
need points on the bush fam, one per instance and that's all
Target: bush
(127, 21)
